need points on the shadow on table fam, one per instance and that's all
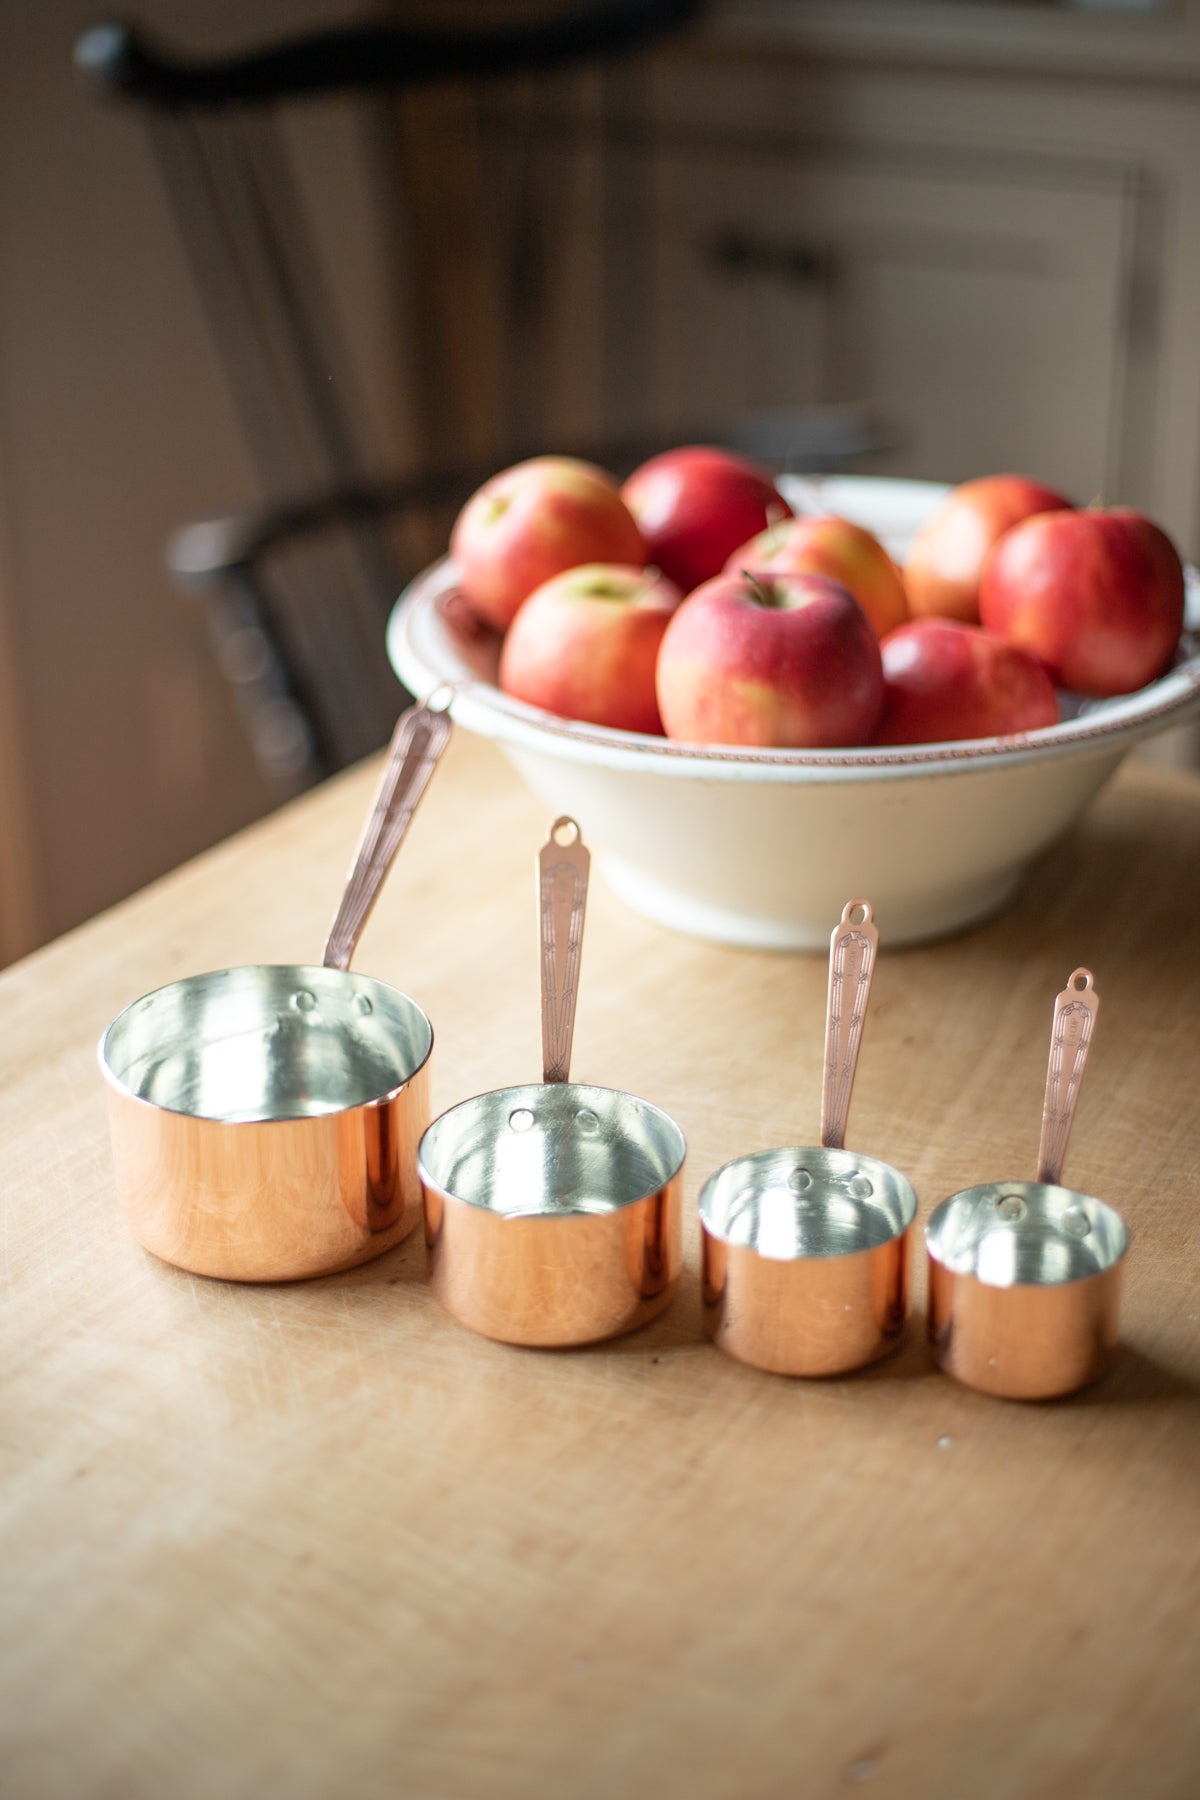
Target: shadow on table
(1137, 1380)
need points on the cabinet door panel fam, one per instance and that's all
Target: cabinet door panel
(979, 317)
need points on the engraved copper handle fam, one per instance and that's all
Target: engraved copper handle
(417, 743)
(563, 864)
(1075, 1012)
(852, 951)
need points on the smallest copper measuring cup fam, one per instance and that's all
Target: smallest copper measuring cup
(553, 1211)
(805, 1250)
(1025, 1276)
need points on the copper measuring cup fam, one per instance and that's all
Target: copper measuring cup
(553, 1211)
(805, 1250)
(265, 1119)
(1025, 1276)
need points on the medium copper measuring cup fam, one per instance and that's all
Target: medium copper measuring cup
(553, 1211)
(805, 1250)
(265, 1119)
(1025, 1276)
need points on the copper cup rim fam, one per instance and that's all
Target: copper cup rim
(521, 1094)
(318, 973)
(756, 1159)
(963, 1265)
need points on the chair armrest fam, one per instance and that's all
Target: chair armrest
(211, 549)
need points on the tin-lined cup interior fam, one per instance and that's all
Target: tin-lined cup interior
(561, 1149)
(1008, 1233)
(274, 1041)
(793, 1203)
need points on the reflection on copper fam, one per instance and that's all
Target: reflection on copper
(555, 1281)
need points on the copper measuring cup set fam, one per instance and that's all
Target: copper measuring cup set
(272, 1123)
(805, 1250)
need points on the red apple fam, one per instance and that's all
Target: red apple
(945, 680)
(783, 661)
(696, 505)
(1097, 595)
(941, 575)
(532, 521)
(835, 547)
(585, 645)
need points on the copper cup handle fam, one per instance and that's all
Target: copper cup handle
(1075, 1012)
(852, 951)
(563, 864)
(417, 744)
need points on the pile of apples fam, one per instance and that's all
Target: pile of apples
(691, 602)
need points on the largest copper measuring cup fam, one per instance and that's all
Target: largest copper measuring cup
(265, 1119)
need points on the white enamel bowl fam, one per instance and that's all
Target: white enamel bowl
(761, 848)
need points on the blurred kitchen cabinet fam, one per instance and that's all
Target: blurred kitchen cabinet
(960, 307)
(980, 222)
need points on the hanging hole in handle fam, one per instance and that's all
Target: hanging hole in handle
(567, 825)
(1081, 980)
(862, 907)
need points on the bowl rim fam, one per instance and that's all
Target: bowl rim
(423, 659)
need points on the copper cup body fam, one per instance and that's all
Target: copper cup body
(805, 1259)
(553, 1212)
(1024, 1288)
(265, 1120)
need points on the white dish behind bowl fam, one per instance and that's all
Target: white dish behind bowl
(763, 848)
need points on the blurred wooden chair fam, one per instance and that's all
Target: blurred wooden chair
(300, 587)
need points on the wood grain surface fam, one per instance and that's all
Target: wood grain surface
(315, 1540)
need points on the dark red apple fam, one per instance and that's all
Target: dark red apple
(941, 574)
(696, 505)
(783, 661)
(532, 521)
(585, 645)
(944, 680)
(835, 547)
(1097, 595)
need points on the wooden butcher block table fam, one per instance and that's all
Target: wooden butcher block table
(316, 1540)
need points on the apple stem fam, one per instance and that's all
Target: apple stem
(762, 593)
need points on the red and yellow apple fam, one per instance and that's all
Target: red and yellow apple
(942, 570)
(585, 645)
(845, 552)
(944, 680)
(696, 505)
(782, 661)
(1096, 594)
(532, 521)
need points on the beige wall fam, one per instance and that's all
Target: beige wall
(120, 753)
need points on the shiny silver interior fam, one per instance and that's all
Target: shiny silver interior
(561, 1149)
(793, 1203)
(1007, 1233)
(273, 1041)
